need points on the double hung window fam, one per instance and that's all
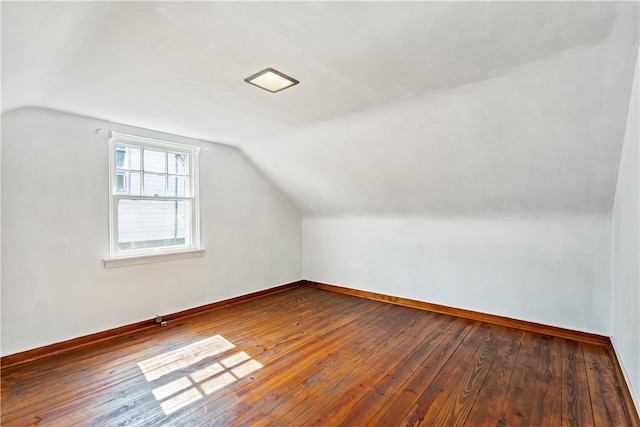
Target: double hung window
(154, 196)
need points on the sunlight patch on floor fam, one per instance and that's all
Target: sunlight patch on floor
(172, 388)
(181, 400)
(165, 363)
(179, 393)
(218, 382)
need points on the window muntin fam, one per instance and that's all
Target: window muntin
(153, 188)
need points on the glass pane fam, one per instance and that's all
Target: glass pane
(177, 164)
(121, 183)
(152, 223)
(154, 185)
(155, 161)
(134, 183)
(128, 183)
(127, 157)
(177, 186)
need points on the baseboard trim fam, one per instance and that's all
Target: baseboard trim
(56, 348)
(468, 314)
(63, 346)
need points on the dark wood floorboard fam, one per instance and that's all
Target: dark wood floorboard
(312, 357)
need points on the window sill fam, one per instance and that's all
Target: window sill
(149, 258)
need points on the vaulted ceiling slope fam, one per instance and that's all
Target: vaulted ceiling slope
(403, 107)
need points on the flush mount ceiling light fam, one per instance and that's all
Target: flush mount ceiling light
(271, 80)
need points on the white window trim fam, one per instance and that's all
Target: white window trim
(147, 259)
(144, 256)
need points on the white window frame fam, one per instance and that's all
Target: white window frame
(118, 257)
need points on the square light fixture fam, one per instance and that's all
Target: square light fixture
(271, 80)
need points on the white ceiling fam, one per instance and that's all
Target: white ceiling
(403, 107)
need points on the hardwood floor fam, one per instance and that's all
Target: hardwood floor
(312, 357)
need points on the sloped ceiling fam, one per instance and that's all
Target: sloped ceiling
(403, 107)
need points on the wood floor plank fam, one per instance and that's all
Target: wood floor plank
(516, 410)
(436, 394)
(458, 405)
(253, 418)
(576, 400)
(548, 401)
(358, 370)
(427, 384)
(487, 408)
(397, 375)
(300, 369)
(375, 370)
(307, 356)
(603, 387)
(402, 390)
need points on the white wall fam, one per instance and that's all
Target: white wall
(55, 234)
(626, 252)
(550, 270)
